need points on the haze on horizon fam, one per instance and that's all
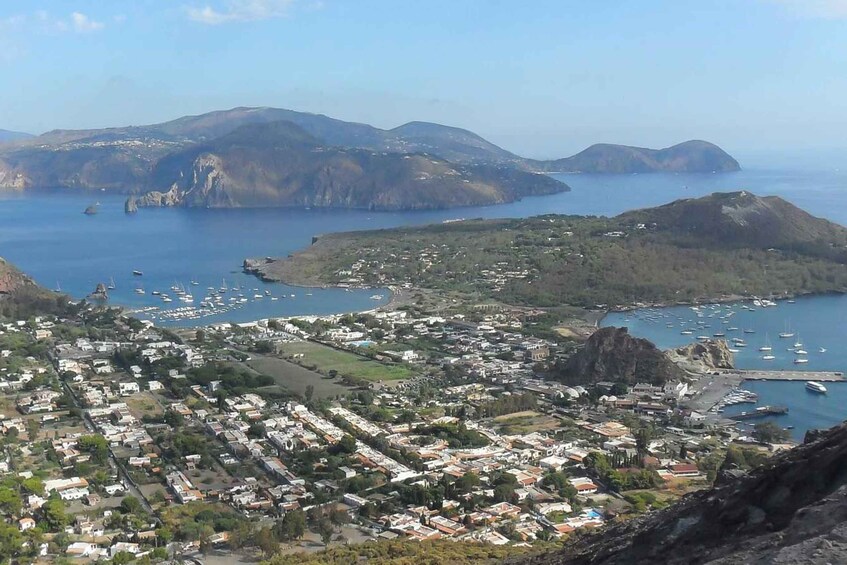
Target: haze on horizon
(543, 79)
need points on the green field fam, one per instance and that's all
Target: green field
(326, 359)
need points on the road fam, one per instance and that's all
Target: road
(113, 461)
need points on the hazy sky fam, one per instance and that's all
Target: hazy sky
(541, 78)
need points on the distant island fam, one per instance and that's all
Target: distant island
(692, 250)
(233, 158)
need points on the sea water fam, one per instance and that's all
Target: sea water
(46, 234)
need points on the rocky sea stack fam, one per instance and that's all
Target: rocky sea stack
(612, 354)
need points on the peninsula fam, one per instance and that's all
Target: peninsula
(692, 250)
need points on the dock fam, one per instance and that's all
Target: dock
(761, 412)
(820, 376)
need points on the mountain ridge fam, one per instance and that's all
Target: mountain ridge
(280, 164)
(125, 159)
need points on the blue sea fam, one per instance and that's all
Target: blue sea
(48, 236)
(806, 409)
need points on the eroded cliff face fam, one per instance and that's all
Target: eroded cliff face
(709, 355)
(792, 510)
(11, 279)
(11, 178)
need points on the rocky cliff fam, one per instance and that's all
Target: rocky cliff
(709, 355)
(612, 354)
(793, 510)
(279, 164)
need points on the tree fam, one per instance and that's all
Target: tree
(467, 482)
(292, 526)
(96, 446)
(768, 432)
(33, 485)
(505, 493)
(130, 505)
(267, 542)
(10, 501)
(54, 514)
(310, 392)
(325, 530)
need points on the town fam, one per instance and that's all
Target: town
(124, 441)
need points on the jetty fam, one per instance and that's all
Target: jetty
(761, 412)
(821, 376)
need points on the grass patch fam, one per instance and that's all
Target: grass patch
(325, 359)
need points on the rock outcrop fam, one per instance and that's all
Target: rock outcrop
(708, 355)
(612, 354)
(792, 510)
(100, 292)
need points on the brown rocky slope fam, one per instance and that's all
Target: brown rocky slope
(793, 510)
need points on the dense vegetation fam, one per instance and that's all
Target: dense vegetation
(718, 246)
(410, 552)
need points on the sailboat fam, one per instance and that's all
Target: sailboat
(767, 345)
(111, 283)
(787, 333)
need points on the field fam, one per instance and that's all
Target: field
(525, 422)
(295, 378)
(325, 359)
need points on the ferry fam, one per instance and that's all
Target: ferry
(815, 386)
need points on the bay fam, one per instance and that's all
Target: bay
(46, 234)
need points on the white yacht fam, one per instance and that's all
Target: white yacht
(815, 386)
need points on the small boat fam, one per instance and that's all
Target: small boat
(267, 293)
(138, 273)
(749, 331)
(800, 361)
(139, 290)
(801, 352)
(156, 293)
(768, 357)
(822, 350)
(815, 386)
(687, 332)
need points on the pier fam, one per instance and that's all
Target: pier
(821, 376)
(761, 412)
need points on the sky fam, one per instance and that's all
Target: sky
(540, 78)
